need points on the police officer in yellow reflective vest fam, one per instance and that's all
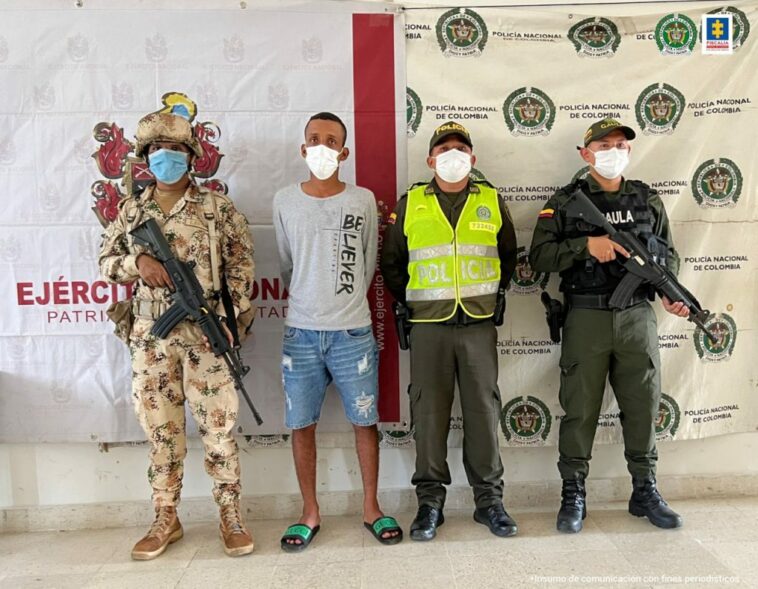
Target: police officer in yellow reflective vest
(449, 251)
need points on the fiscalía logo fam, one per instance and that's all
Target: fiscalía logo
(312, 50)
(156, 49)
(525, 280)
(595, 37)
(396, 439)
(740, 25)
(234, 49)
(659, 108)
(725, 329)
(676, 34)
(461, 32)
(667, 420)
(717, 183)
(529, 111)
(525, 421)
(413, 111)
(78, 47)
(122, 95)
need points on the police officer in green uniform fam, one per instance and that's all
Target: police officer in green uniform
(449, 251)
(600, 343)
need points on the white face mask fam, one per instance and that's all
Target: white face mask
(453, 165)
(322, 161)
(611, 162)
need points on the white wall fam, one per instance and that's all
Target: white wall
(64, 474)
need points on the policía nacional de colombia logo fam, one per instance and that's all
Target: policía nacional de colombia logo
(676, 34)
(740, 25)
(529, 111)
(525, 280)
(396, 439)
(413, 110)
(461, 32)
(725, 329)
(595, 37)
(659, 108)
(717, 183)
(667, 420)
(526, 421)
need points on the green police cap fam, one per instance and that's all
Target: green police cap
(602, 128)
(447, 129)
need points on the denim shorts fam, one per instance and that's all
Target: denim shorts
(313, 359)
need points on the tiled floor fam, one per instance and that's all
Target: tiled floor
(718, 547)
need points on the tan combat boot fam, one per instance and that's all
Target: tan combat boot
(235, 536)
(165, 530)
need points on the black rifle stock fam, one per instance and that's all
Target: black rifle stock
(641, 267)
(189, 302)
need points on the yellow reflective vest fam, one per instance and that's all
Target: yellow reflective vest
(450, 267)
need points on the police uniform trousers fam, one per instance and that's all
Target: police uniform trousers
(440, 355)
(621, 345)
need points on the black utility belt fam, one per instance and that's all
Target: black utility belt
(600, 301)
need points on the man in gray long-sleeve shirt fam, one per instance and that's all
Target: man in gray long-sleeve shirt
(326, 232)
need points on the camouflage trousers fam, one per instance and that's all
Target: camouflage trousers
(165, 373)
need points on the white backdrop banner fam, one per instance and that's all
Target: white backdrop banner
(527, 82)
(72, 89)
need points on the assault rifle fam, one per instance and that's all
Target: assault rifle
(189, 302)
(641, 267)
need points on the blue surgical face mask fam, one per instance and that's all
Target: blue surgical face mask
(167, 165)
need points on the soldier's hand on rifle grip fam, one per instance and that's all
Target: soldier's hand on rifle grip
(677, 308)
(604, 249)
(228, 334)
(153, 272)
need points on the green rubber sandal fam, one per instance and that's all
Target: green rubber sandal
(383, 525)
(300, 532)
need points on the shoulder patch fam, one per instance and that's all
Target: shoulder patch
(546, 214)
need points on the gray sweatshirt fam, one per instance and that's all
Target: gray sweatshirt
(327, 256)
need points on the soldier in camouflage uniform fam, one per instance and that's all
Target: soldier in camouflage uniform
(204, 228)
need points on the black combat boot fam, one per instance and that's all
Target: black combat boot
(573, 507)
(646, 501)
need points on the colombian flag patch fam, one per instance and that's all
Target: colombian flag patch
(546, 214)
(392, 219)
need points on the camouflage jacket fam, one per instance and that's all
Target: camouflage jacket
(187, 231)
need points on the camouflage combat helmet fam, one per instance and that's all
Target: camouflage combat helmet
(161, 126)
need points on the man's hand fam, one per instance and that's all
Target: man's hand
(677, 308)
(604, 249)
(153, 273)
(228, 337)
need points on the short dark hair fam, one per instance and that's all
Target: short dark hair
(328, 116)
